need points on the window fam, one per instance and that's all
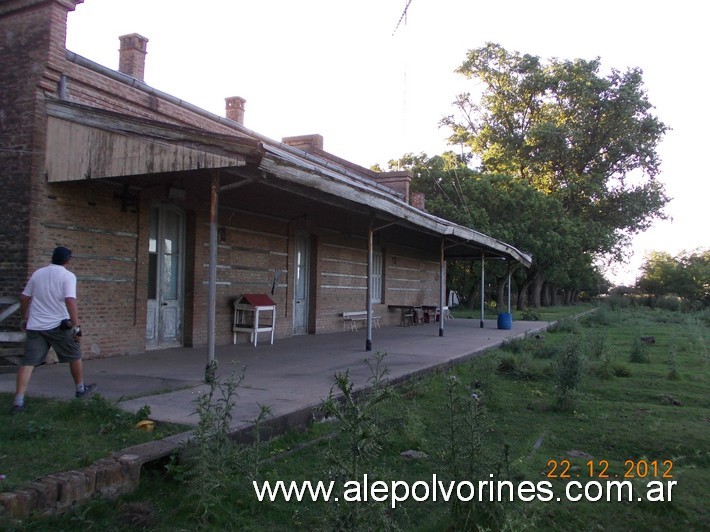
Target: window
(377, 277)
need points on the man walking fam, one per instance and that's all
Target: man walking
(50, 318)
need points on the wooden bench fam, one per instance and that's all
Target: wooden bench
(351, 318)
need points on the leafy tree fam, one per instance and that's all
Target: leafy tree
(509, 209)
(686, 274)
(587, 140)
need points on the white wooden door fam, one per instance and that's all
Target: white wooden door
(165, 277)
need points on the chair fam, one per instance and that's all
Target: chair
(418, 316)
(407, 317)
(447, 314)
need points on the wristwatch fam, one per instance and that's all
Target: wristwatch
(76, 330)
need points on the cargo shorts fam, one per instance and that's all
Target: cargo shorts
(37, 346)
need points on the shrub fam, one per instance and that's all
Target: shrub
(619, 301)
(530, 315)
(620, 370)
(670, 302)
(565, 326)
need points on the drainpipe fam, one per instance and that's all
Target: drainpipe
(483, 287)
(442, 289)
(370, 245)
(211, 367)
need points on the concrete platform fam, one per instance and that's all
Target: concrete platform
(291, 376)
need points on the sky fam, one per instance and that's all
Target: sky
(376, 83)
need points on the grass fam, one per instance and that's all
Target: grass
(56, 436)
(540, 314)
(499, 415)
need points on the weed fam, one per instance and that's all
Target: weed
(697, 331)
(673, 362)
(542, 350)
(604, 369)
(507, 364)
(142, 413)
(639, 351)
(521, 367)
(620, 370)
(463, 442)
(568, 369)
(466, 456)
(602, 316)
(596, 344)
(210, 457)
(364, 435)
(565, 326)
(515, 345)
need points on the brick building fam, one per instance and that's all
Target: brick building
(172, 212)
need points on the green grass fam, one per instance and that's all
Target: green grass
(620, 411)
(56, 436)
(538, 314)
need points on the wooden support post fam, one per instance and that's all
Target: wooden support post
(368, 304)
(211, 366)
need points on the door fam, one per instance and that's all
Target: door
(300, 283)
(165, 277)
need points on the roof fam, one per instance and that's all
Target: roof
(296, 170)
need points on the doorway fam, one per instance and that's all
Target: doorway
(165, 277)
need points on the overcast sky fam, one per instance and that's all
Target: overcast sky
(375, 85)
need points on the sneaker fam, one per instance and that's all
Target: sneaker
(17, 409)
(88, 390)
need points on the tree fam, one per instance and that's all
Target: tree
(587, 140)
(686, 274)
(509, 209)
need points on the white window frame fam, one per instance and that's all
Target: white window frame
(377, 267)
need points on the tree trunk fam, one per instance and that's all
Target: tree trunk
(522, 300)
(473, 297)
(548, 291)
(569, 296)
(501, 294)
(537, 290)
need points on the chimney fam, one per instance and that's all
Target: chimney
(132, 52)
(235, 109)
(417, 200)
(397, 181)
(307, 143)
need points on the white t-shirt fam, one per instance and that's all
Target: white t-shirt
(49, 287)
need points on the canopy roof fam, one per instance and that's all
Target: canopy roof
(86, 143)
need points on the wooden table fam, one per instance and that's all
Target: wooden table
(409, 313)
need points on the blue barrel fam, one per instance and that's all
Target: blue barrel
(505, 320)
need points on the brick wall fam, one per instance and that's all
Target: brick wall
(29, 39)
(107, 226)
(55, 494)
